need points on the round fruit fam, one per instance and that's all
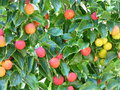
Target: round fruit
(40, 52)
(47, 26)
(70, 88)
(47, 16)
(30, 28)
(2, 72)
(36, 23)
(107, 46)
(95, 58)
(27, 1)
(86, 51)
(98, 42)
(104, 40)
(115, 30)
(20, 44)
(102, 62)
(72, 77)
(94, 16)
(58, 80)
(54, 62)
(29, 9)
(7, 64)
(117, 36)
(1, 32)
(69, 14)
(102, 53)
(98, 81)
(60, 56)
(119, 55)
(2, 41)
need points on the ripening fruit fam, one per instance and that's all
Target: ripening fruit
(20, 44)
(98, 81)
(2, 41)
(95, 58)
(118, 46)
(94, 16)
(27, 1)
(60, 56)
(46, 16)
(29, 9)
(119, 55)
(40, 52)
(36, 23)
(86, 51)
(104, 40)
(2, 72)
(30, 28)
(70, 88)
(54, 62)
(47, 26)
(72, 77)
(115, 30)
(107, 46)
(102, 62)
(98, 42)
(1, 32)
(7, 64)
(58, 80)
(69, 14)
(117, 36)
(102, 53)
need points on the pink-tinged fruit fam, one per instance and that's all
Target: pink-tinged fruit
(54, 62)
(27, 1)
(86, 51)
(58, 80)
(2, 41)
(20, 44)
(98, 81)
(69, 14)
(72, 77)
(60, 56)
(47, 16)
(1, 32)
(94, 16)
(40, 52)
(70, 88)
(119, 55)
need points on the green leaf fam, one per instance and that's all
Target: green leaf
(92, 36)
(21, 5)
(56, 4)
(106, 76)
(62, 87)
(3, 83)
(55, 31)
(67, 36)
(73, 26)
(30, 64)
(65, 69)
(43, 86)
(112, 83)
(82, 44)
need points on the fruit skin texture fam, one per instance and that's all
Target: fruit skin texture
(58, 80)
(29, 9)
(60, 56)
(119, 55)
(102, 53)
(102, 62)
(1, 32)
(72, 77)
(36, 23)
(47, 26)
(94, 16)
(27, 1)
(40, 52)
(2, 41)
(30, 28)
(20, 44)
(117, 36)
(46, 16)
(98, 42)
(7, 64)
(107, 46)
(95, 58)
(69, 14)
(104, 40)
(54, 62)
(86, 51)
(70, 88)
(2, 72)
(98, 81)
(115, 30)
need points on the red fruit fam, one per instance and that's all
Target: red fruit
(58, 80)
(40, 52)
(10, 58)
(27, 1)
(7, 64)
(46, 26)
(70, 88)
(47, 16)
(36, 23)
(86, 51)
(20, 44)
(72, 77)
(30, 28)
(69, 14)
(54, 62)
(99, 81)
(119, 55)
(94, 16)
(60, 56)
(1, 32)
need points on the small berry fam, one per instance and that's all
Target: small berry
(20, 44)
(40, 52)
(72, 77)
(29, 9)
(2, 72)
(70, 88)
(58, 80)
(30, 28)
(7, 64)
(86, 51)
(1, 32)
(94, 16)
(69, 14)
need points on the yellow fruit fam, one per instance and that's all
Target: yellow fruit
(107, 46)
(29, 9)
(2, 72)
(116, 36)
(104, 40)
(98, 42)
(102, 53)
(95, 58)
(2, 41)
(115, 30)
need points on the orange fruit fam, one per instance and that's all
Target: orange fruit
(7, 64)
(115, 30)
(29, 9)
(36, 23)
(95, 58)
(2, 72)
(69, 14)
(2, 41)
(30, 28)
